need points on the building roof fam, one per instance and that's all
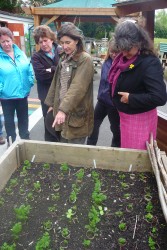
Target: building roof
(81, 4)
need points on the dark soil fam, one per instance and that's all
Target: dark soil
(138, 229)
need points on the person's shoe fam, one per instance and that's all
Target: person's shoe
(2, 140)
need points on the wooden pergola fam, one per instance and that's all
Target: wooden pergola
(147, 7)
(55, 13)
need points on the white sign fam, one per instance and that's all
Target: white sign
(15, 33)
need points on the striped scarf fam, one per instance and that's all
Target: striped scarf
(65, 75)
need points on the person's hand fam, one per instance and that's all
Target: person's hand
(49, 109)
(59, 119)
(125, 97)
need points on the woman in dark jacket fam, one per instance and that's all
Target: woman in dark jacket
(104, 106)
(137, 84)
(44, 63)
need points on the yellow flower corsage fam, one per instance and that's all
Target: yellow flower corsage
(131, 66)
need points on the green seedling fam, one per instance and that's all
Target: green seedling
(124, 185)
(64, 167)
(86, 243)
(6, 246)
(154, 231)
(2, 201)
(9, 190)
(47, 225)
(21, 191)
(121, 176)
(119, 213)
(13, 182)
(55, 197)
(27, 164)
(23, 172)
(122, 241)
(95, 175)
(142, 177)
(64, 244)
(30, 196)
(73, 196)
(44, 242)
(80, 174)
(16, 230)
(122, 226)
(101, 211)
(149, 217)
(46, 166)
(56, 186)
(22, 212)
(98, 198)
(27, 181)
(151, 243)
(75, 188)
(65, 232)
(37, 186)
(127, 196)
(149, 207)
(52, 209)
(130, 206)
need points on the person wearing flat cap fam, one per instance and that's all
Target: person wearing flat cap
(70, 96)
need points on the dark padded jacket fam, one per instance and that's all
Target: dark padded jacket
(41, 62)
(144, 81)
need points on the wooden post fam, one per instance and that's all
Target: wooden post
(149, 16)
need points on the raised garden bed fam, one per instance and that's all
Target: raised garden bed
(123, 204)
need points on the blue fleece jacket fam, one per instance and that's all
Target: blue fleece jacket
(16, 76)
(104, 92)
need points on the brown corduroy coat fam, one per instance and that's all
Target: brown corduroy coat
(78, 101)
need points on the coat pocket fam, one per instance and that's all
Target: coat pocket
(77, 120)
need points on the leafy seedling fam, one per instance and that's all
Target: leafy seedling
(44, 242)
(16, 230)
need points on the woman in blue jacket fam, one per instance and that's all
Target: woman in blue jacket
(16, 80)
(104, 106)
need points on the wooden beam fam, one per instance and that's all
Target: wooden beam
(52, 19)
(74, 11)
(142, 6)
(149, 16)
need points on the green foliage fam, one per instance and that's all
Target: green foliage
(80, 174)
(161, 24)
(47, 225)
(65, 232)
(8, 5)
(149, 207)
(119, 213)
(37, 186)
(122, 241)
(64, 167)
(13, 182)
(151, 243)
(122, 176)
(96, 30)
(122, 226)
(22, 212)
(86, 243)
(16, 230)
(124, 185)
(46, 166)
(27, 164)
(149, 217)
(6, 246)
(43, 242)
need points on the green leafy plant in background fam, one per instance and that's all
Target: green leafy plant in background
(44, 242)
(119, 213)
(48, 225)
(46, 166)
(80, 174)
(27, 164)
(149, 207)
(65, 232)
(122, 226)
(37, 186)
(16, 230)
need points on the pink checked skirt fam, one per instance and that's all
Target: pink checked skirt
(136, 129)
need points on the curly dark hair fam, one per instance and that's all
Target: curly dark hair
(43, 31)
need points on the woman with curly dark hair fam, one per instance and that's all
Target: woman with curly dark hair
(137, 84)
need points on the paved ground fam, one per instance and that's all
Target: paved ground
(36, 126)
